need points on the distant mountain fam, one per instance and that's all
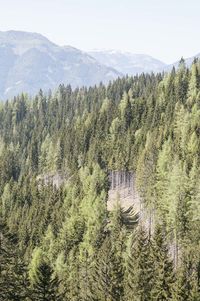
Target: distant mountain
(29, 61)
(188, 62)
(128, 63)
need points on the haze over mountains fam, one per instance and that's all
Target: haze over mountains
(128, 63)
(29, 61)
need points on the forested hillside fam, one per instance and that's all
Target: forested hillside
(60, 242)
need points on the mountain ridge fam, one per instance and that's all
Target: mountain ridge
(127, 62)
(29, 61)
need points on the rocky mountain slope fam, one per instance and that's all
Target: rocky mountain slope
(29, 61)
(128, 63)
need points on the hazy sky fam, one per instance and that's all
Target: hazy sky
(166, 29)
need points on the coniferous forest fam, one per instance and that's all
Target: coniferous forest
(59, 242)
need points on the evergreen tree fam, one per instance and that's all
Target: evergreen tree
(139, 274)
(164, 277)
(13, 275)
(44, 284)
(45, 287)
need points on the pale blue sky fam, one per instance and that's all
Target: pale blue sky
(164, 29)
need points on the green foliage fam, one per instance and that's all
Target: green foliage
(56, 153)
(164, 278)
(44, 285)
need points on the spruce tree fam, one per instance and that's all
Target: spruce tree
(13, 271)
(45, 286)
(139, 267)
(164, 277)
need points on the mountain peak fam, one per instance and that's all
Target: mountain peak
(17, 34)
(29, 61)
(21, 41)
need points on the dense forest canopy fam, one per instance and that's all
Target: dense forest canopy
(61, 243)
